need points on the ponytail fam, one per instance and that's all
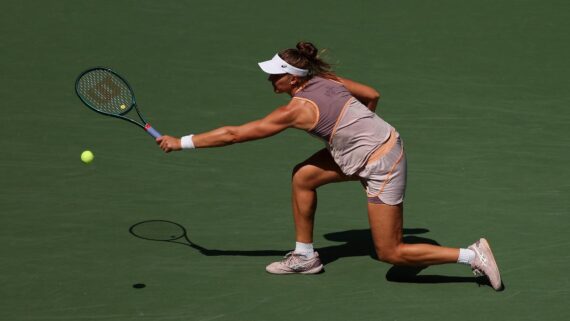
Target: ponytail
(306, 56)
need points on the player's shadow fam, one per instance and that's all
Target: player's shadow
(354, 243)
(359, 243)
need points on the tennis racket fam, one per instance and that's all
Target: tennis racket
(107, 93)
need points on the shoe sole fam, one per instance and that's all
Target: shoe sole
(314, 270)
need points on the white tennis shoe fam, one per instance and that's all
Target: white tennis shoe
(485, 264)
(296, 263)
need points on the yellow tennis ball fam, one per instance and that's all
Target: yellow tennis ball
(123, 106)
(87, 157)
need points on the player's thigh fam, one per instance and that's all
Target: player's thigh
(386, 223)
(317, 170)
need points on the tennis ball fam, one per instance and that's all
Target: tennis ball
(123, 106)
(87, 157)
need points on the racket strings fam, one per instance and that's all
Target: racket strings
(105, 92)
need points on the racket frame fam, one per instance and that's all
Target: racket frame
(146, 126)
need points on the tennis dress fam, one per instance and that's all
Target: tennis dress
(360, 142)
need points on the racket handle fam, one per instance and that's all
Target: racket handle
(152, 132)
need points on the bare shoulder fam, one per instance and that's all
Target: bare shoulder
(298, 102)
(304, 112)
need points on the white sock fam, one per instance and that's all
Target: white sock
(305, 249)
(466, 256)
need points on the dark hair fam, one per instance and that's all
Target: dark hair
(306, 56)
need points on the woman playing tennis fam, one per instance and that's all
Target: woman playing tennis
(359, 146)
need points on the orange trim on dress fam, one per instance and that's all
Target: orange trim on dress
(384, 148)
(389, 175)
(316, 107)
(340, 116)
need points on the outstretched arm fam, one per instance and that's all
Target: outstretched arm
(365, 94)
(292, 115)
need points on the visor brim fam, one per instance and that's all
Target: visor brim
(271, 67)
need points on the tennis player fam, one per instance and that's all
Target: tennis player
(359, 146)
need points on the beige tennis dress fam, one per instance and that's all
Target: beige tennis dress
(360, 142)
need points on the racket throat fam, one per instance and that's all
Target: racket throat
(151, 131)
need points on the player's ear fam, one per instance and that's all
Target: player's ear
(294, 81)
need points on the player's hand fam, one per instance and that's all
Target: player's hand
(169, 143)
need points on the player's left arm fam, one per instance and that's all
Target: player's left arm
(365, 94)
(280, 119)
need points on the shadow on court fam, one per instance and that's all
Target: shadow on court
(354, 243)
(171, 232)
(359, 243)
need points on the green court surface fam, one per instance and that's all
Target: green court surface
(477, 89)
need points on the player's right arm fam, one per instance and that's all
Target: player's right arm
(280, 119)
(296, 114)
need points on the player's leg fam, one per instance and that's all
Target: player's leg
(385, 180)
(316, 171)
(386, 224)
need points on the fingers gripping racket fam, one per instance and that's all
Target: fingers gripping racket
(107, 93)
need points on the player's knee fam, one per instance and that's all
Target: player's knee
(389, 255)
(296, 169)
(300, 175)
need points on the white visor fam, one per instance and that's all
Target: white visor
(277, 66)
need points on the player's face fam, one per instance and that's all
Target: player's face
(282, 83)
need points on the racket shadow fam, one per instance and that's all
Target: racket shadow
(172, 232)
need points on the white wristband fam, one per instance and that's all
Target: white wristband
(186, 142)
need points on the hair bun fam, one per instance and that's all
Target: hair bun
(307, 49)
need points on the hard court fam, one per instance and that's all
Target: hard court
(477, 89)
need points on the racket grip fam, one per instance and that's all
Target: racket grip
(151, 131)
